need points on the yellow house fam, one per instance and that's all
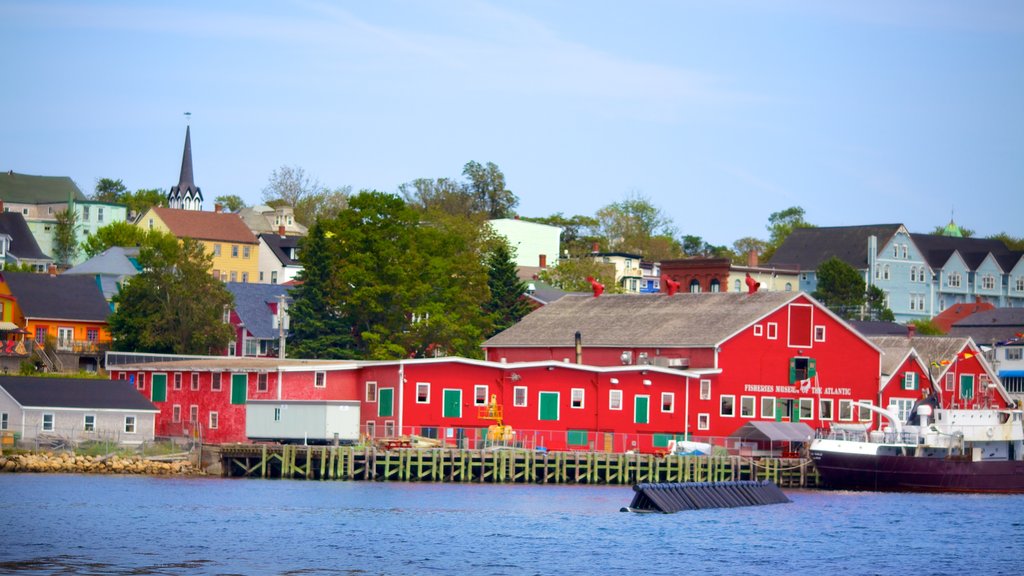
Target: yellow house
(234, 248)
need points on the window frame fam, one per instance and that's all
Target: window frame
(703, 421)
(767, 401)
(721, 405)
(131, 424)
(320, 379)
(177, 380)
(478, 398)
(705, 394)
(520, 396)
(216, 383)
(577, 398)
(194, 381)
(671, 397)
(772, 333)
(370, 391)
(752, 413)
(213, 420)
(615, 400)
(423, 392)
(48, 422)
(823, 414)
(88, 423)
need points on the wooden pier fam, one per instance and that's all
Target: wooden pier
(503, 466)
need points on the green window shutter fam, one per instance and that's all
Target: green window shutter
(239, 383)
(158, 393)
(548, 406)
(812, 367)
(385, 402)
(796, 414)
(577, 438)
(640, 412)
(792, 370)
(778, 413)
(452, 404)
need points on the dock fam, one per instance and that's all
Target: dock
(500, 466)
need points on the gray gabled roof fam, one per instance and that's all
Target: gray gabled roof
(808, 248)
(109, 268)
(277, 244)
(252, 304)
(641, 320)
(37, 392)
(766, 430)
(58, 297)
(938, 249)
(997, 325)
(929, 349)
(23, 243)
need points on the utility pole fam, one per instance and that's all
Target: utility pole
(280, 325)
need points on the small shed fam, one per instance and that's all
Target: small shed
(310, 421)
(770, 438)
(73, 410)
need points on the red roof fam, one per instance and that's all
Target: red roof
(957, 312)
(217, 226)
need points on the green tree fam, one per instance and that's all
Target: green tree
(506, 305)
(926, 328)
(841, 287)
(443, 194)
(487, 185)
(780, 225)
(65, 238)
(877, 309)
(1012, 242)
(143, 199)
(109, 190)
(383, 282)
(174, 305)
(744, 246)
(631, 224)
(230, 202)
(114, 234)
(571, 275)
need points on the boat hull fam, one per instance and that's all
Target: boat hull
(845, 471)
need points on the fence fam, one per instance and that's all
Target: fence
(99, 441)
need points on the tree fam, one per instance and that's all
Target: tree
(926, 328)
(230, 202)
(289, 186)
(443, 194)
(571, 275)
(840, 287)
(174, 305)
(744, 246)
(780, 225)
(1012, 242)
(629, 225)
(506, 305)
(877, 309)
(579, 233)
(65, 238)
(109, 190)
(381, 282)
(114, 234)
(487, 185)
(143, 199)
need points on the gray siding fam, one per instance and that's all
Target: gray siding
(302, 420)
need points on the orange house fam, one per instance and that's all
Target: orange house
(70, 310)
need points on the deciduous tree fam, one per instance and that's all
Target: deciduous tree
(780, 225)
(230, 202)
(114, 234)
(487, 184)
(840, 287)
(65, 238)
(631, 224)
(311, 200)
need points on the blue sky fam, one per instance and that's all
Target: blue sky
(719, 112)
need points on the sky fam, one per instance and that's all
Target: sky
(719, 113)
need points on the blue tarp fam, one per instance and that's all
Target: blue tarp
(1011, 373)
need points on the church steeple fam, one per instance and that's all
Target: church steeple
(186, 195)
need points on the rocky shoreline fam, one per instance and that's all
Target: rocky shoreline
(48, 462)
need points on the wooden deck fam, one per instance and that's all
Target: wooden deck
(503, 466)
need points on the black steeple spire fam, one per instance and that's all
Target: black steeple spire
(186, 195)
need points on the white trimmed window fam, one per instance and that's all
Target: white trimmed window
(845, 410)
(195, 381)
(519, 395)
(480, 395)
(261, 382)
(215, 382)
(1014, 353)
(910, 381)
(214, 420)
(758, 329)
(389, 428)
(3, 420)
(863, 412)
(806, 409)
(47, 422)
(950, 382)
(615, 399)
(705, 389)
(371, 391)
(825, 408)
(129, 424)
(140, 380)
(423, 392)
(193, 414)
(773, 330)
(371, 429)
(89, 423)
(668, 402)
(747, 404)
(320, 380)
(767, 407)
(703, 421)
(177, 380)
(576, 398)
(727, 406)
(819, 333)
(176, 413)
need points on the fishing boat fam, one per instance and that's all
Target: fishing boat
(937, 450)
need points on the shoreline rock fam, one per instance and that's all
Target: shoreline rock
(66, 462)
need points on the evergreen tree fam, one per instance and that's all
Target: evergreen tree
(840, 287)
(65, 238)
(507, 305)
(174, 305)
(318, 328)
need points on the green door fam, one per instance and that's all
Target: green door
(239, 383)
(641, 409)
(452, 404)
(548, 406)
(385, 398)
(159, 391)
(967, 386)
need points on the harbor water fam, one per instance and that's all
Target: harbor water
(80, 524)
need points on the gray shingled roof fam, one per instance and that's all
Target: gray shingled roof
(252, 304)
(996, 325)
(809, 247)
(23, 243)
(929, 349)
(641, 320)
(109, 267)
(39, 392)
(58, 297)
(937, 249)
(275, 242)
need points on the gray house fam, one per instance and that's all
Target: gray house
(75, 410)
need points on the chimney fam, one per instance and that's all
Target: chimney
(911, 330)
(218, 208)
(280, 230)
(596, 248)
(543, 261)
(579, 347)
(53, 270)
(752, 259)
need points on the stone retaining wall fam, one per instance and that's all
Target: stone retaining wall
(70, 463)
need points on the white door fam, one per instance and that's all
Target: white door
(64, 337)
